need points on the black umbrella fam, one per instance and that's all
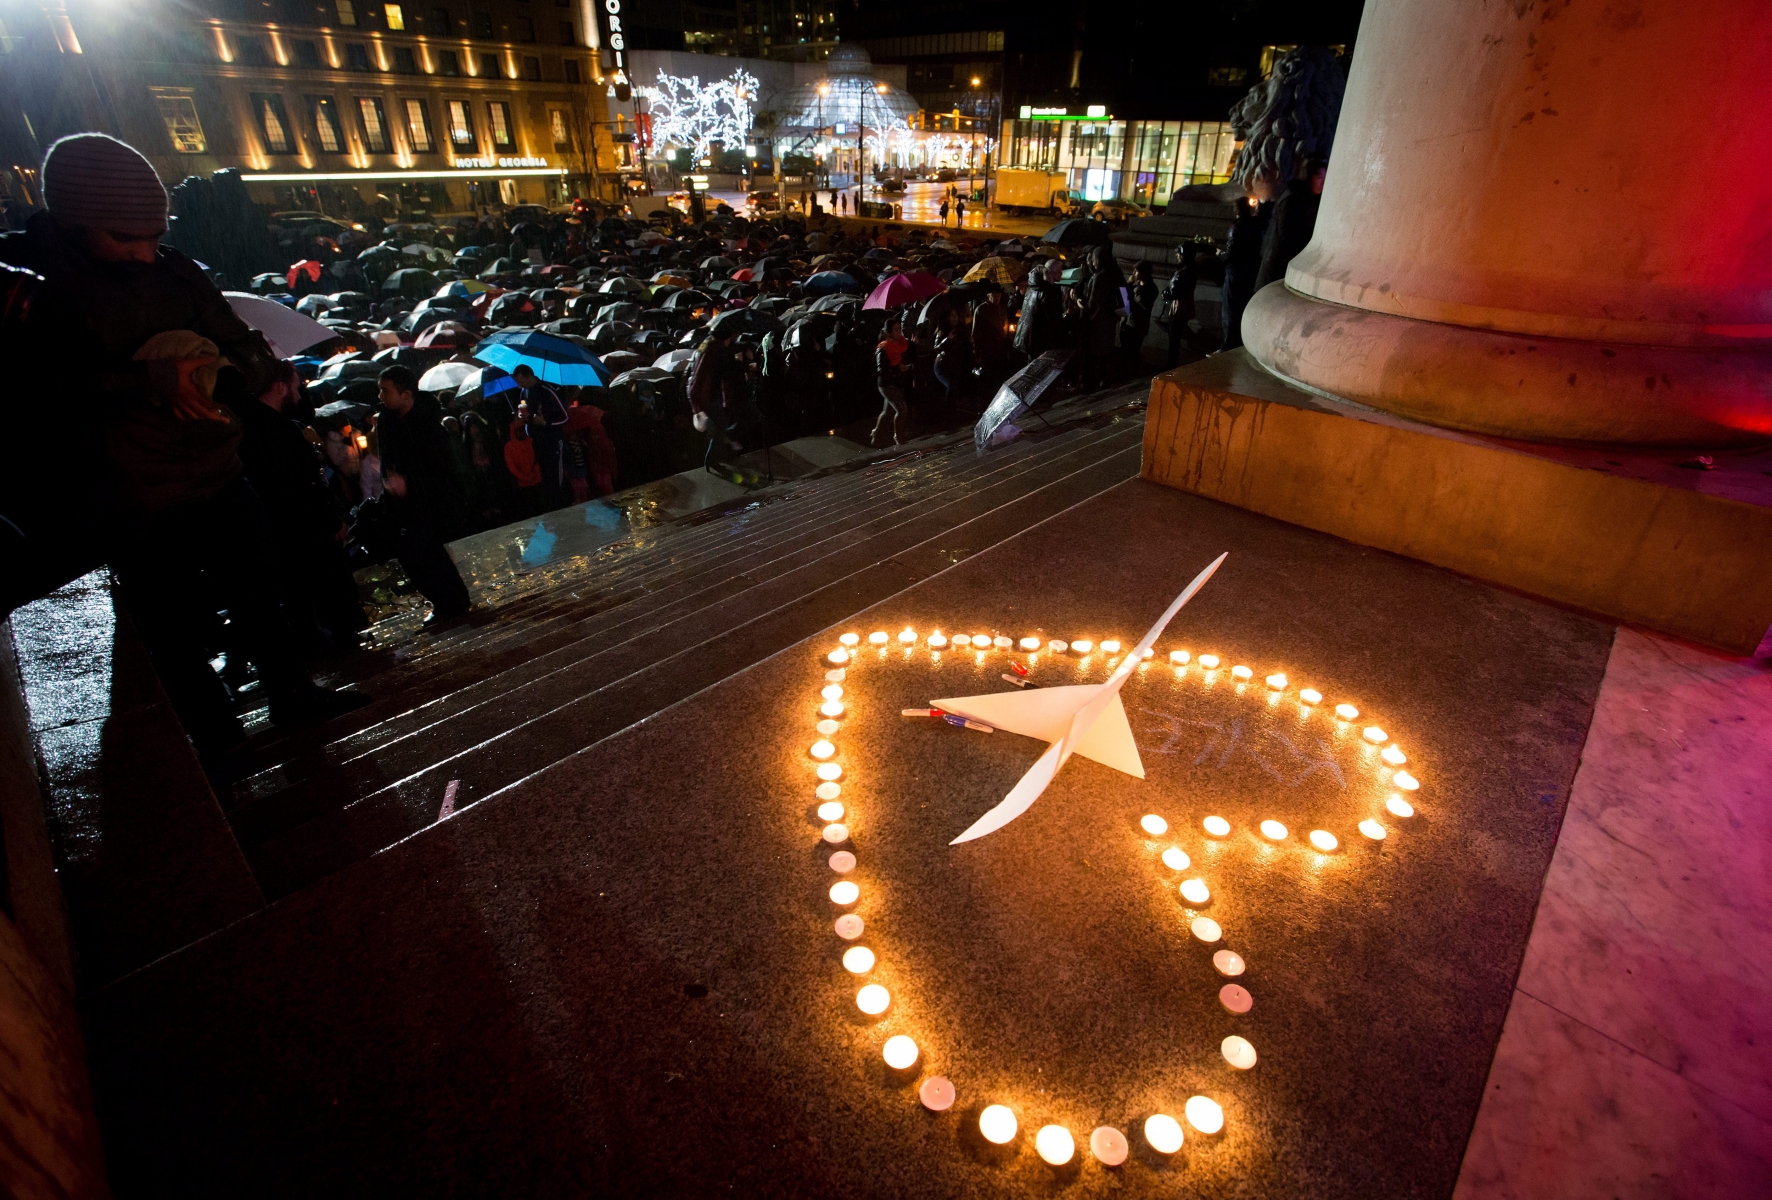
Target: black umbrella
(1020, 394)
(689, 299)
(845, 305)
(815, 330)
(621, 310)
(1078, 231)
(413, 281)
(744, 320)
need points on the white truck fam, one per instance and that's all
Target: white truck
(1022, 190)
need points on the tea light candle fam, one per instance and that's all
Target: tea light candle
(1310, 696)
(1242, 673)
(1001, 643)
(1176, 859)
(1273, 831)
(842, 862)
(1154, 825)
(1110, 647)
(1394, 756)
(1058, 645)
(845, 891)
(997, 1124)
(1108, 1145)
(873, 999)
(962, 639)
(877, 638)
(1346, 712)
(1082, 646)
(1204, 1114)
(1227, 962)
(831, 811)
(1030, 643)
(1399, 807)
(828, 791)
(827, 726)
(1216, 826)
(1323, 840)
(1206, 929)
(1055, 1145)
(1375, 735)
(850, 639)
(1163, 1133)
(858, 960)
(830, 772)
(1372, 829)
(836, 676)
(1148, 654)
(937, 641)
(836, 833)
(1236, 998)
(1195, 891)
(822, 749)
(1237, 1052)
(849, 927)
(832, 709)
(981, 641)
(900, 1053)
(908, 637)
(1179, 657)
(837, 657)
(831, 691)
(1277, 682)
(1209, 661)
(937, 1093)
(1405, 781)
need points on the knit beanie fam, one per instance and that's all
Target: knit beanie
(97, 181)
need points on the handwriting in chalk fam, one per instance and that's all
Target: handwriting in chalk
(1227, 742)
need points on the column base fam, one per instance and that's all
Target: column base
(1515, 385)
(1630, 535)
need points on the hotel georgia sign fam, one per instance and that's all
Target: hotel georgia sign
(488, 164)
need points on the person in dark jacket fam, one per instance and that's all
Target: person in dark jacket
(1100, 301)
(165, 362)
(1290, 225)
(1142, 296)
(415, 474)
(1242, 263)
(1041, 327)
(714, 392)
(306, 524)
(1178, 300)
(547, 435)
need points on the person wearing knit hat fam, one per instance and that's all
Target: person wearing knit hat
(147, 364)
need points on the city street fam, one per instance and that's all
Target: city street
(920, 202)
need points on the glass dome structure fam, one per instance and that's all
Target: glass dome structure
(849, 95)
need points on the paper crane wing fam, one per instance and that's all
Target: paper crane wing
(1101, 709)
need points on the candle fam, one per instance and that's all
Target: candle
(829, 772)
(997, 1124)
(1195, 891)
(908, 637)
(1242, 673)
(1176, 859)
(831, 811)
(828, 791)
(1400, 807)
(1238, 1052)
(836, 676)
(1323, 840)
(1204, 1114)
(1273, 831)
(850, 639)
(1346, 712)
(1108, 1145)
(1277, 682)
(1375, 735)
(873, 999)
(937, 1093)
(1110, 647)
(849, 927)
(1405, 781)
(845, 891)
(1082, 645)
(1154, 825)
(877, 638)
(1310, 696)
(858, 960)
(836, 833)
(1058, 645)
(980, 641)
(1178, 657)
(1030, 643)
(1209, 661)
(1163, 1133)
(1216, 826)
(962, 639)
(822, 749)
(1206, 929)
(832, 709)
(828, 726)
(1001, 643)
(1236, 998)
(842, 862)
(837, 657)
(1394, 756)
(1228, 962)
(936, 640)
(900, 1052)
(1372, 829)
(831, 691)
(1055, 1145)
(1148, 654)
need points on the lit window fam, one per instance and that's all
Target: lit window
(326, 127)
(418, 125)
(272, 123)
(562, 139)
(396, 18)
(499, 114)
(347, 12)
(179, 112)
(461, 128)
(375, 124)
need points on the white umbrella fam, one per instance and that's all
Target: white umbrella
(445, 377)
(674, 361)
(287, 330)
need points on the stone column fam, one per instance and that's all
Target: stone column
(1545, 219)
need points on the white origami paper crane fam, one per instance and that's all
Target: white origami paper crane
(1087, 719)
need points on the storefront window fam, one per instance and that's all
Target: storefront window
(327, 130)
(375, 124)
(498, 114)
(272, 123)
(461, 128)
(179, 113)
(418, 127)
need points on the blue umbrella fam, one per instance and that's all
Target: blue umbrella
(553, 359)
(826, 282)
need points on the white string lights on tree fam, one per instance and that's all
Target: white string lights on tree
(694, 117)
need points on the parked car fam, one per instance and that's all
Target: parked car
(1117, 211)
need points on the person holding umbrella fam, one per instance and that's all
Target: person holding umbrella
(415, 474)
(545, 422)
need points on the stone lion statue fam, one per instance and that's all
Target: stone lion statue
(1288, 119)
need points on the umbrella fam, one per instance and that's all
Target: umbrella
(315, 304)
(466, 289)
(288, 331)
(447, 335)
(1022, 391)
(513, 308)
(743, 275)
(676, 362)
(553, 359)
(688, 300)
(307, 267)
(831, 281)
(837, 303)
(651, 374)
(717, 264)
(499, 266)
(608, 335)
(568, 326)
(816, 329)
(622, 283)
(445, 377)
(910, 288)
(1076, 231)
(484, 382)
(342, 412)
(621, 361)
(672, 279)
(621, 310)
(744, 320)
(1004, 271)
(413, 281)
